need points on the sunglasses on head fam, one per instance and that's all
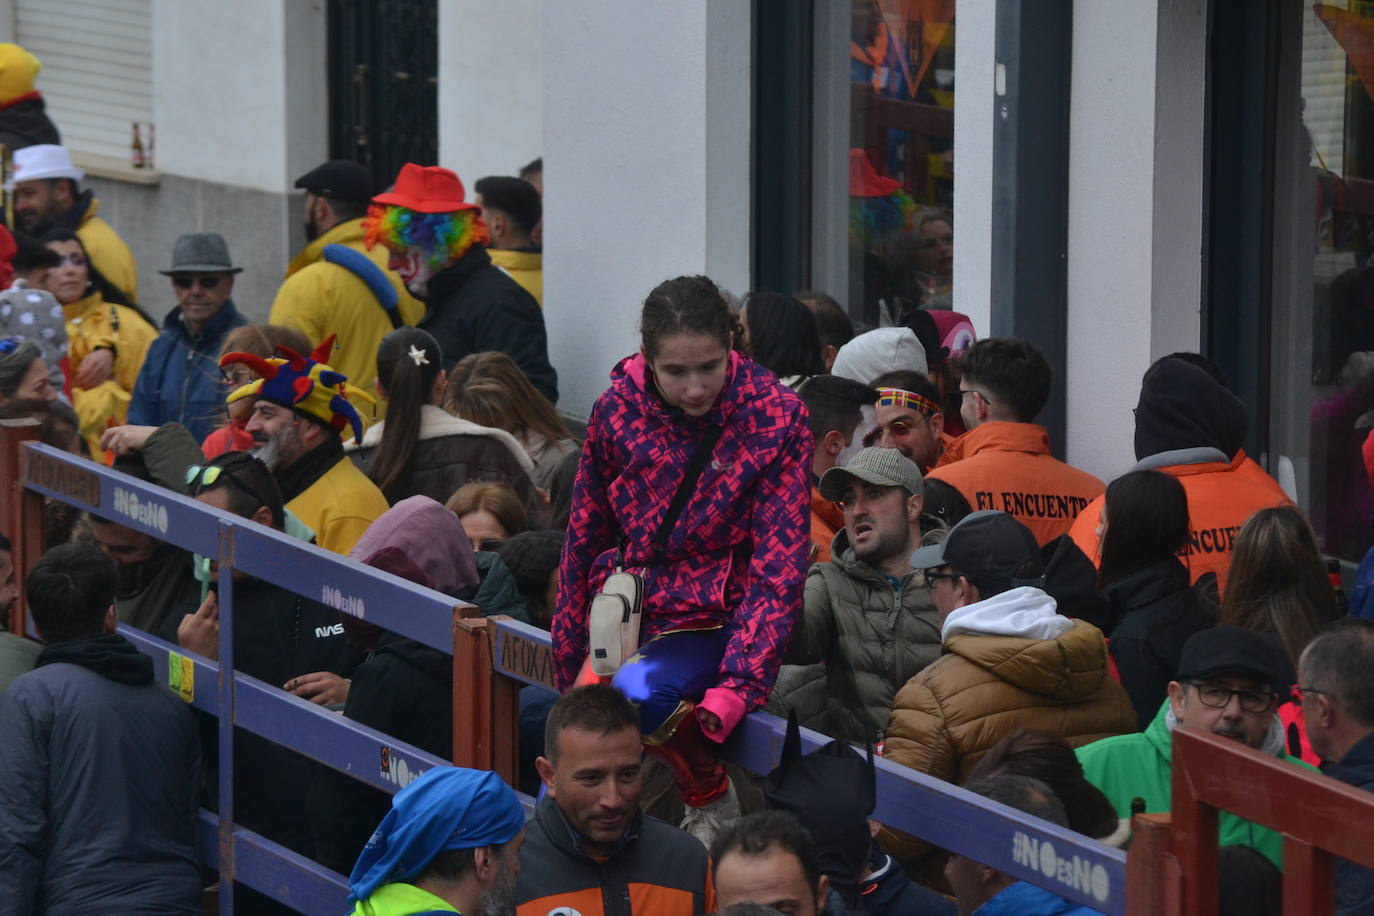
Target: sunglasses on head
(186, 281)
(200, 477)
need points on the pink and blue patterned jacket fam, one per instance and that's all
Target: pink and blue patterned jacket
(738, 553)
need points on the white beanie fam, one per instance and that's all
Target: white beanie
(883, 350)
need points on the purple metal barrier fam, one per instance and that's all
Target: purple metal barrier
(241, 701)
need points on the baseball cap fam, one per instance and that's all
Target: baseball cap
(340, 179)
(1232, 650)
(987, 546)
(883, 467)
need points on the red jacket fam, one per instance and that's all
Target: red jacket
(738, 553)
(1008, 466)
(1221, 496)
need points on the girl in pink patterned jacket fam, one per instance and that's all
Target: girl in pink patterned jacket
(721, 595)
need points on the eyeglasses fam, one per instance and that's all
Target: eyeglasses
(1297, 690)
(933, 577)
(236, 378)
(200, 477)
(964, 391)
(1219, 697)
(186, 281)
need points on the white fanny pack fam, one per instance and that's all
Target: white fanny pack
(614, 620)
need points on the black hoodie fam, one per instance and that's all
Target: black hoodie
(1181, 406)
(110, 656)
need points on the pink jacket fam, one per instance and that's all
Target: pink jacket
(738, 554)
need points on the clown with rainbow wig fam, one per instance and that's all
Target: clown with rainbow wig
(437, 241)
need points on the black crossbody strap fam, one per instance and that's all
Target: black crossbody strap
(705, 445)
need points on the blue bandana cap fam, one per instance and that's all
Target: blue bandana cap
(447, 808)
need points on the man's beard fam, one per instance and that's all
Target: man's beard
(279, 450)
(33, 224)
(500, 899)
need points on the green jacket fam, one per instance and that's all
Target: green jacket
(871, 637)
(1141, 765)
(400, 900)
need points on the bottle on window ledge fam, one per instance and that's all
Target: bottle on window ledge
(136, 149)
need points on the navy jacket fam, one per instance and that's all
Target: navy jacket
(102, 772)
(1354, 885)
(180, 381)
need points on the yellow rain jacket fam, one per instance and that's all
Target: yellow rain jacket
(93, 324)
(319, 298)
(108, 252)
(524, 267)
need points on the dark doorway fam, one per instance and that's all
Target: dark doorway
(384, 84)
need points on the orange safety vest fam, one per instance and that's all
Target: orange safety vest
(1008, 466)
(1221, 496)
(826, 521)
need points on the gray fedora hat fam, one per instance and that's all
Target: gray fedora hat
(201, 253)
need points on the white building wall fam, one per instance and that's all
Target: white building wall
(647, 161)
(1135, 212)
(974, 114)
(220, 90)
(491, 86)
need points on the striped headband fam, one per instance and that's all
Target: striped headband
(898, 397)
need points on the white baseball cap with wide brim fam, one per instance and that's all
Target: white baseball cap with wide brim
(46, 160)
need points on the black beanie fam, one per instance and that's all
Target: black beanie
(531, 556)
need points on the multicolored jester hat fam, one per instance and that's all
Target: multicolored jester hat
(302, 383)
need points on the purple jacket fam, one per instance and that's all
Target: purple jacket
(738, 553)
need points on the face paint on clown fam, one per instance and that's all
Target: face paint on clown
(414, 270)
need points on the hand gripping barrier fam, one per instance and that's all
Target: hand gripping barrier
(30, 472)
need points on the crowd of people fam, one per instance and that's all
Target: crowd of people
(866, 532)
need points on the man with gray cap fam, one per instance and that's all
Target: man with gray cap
(180, 380)
(868, 614)
(334, 285)
(1011, 660)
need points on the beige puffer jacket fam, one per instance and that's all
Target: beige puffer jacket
(986, 687)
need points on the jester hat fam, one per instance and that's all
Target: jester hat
(305, 384)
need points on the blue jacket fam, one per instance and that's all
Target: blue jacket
(1354, 884)
(1022, 899)
(180, 381)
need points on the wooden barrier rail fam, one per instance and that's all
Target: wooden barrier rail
(1319, 818)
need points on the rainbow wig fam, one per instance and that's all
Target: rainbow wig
(441, 237)
(875, 220)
